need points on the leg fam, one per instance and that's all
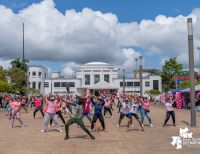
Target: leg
(109, 110)
(47, 118)
(93, 121)
(61, 116)
(56, 121)
(173, 117)
(120, 118)
(81, 124)
(69, 122)
(167, 118)
(147, 114)
(40, 108)
(143, 115)
(34, 113)
(102, 121)
(89, 117)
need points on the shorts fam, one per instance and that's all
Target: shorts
(134, 115)
(122, 115)
(17, 115)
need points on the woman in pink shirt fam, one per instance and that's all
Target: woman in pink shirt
(145, 112)
(107, 106)
(50, 113)
(168, 104)
(16, 106)
(38, 106)
(87, 109)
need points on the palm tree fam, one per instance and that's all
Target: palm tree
(19, 63)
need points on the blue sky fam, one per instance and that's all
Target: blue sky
(126, 11)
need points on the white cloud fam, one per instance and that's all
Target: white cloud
(89, 35)
(69, 68)
(5, 63)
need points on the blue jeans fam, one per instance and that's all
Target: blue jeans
(147, 114)
(198, 108)
(88, 115)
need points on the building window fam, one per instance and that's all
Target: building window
(87, 71)
(87, 79)
(45, 75)
(46, 84)
(106, 70)
(96, 70)
(121, 84)
(71, 84)
(129, 84)
(136, 84)
(34, 74)
(56, 84)
(39, 85)
(29, 74)
(96, 78)
(147, 84)
(40, 74)
(34, 85)
(63, 84)
(107, 78)
(155, 84)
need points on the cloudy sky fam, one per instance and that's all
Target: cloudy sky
(62, 34)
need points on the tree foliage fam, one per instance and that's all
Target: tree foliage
(5, 87)
(169, 70)
(153, 92)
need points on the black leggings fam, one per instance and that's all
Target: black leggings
(59, 113)
(107, 110)
(168, 114)
(37, 109)
(101, 119)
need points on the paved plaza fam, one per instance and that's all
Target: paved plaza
(29, 140)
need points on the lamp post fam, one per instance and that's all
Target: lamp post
(198, 48)
(191, 70)
(140, 76)
(123, 82)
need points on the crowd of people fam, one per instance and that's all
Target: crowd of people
(52, 107)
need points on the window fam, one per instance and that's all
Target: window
(71, 84)
(155, 84)
(147, 84)
(96, 70)
(34, 74)
(136, 84)
(40, 74)
(106, 70)
(56, 84)
(29, 73)
(46, 84)
(107, 78)
(34, 85)
(87, 71)
(121, 84)
(87, 79)
(96, 78)
(45, 75)
(39, 85)
(63, 84)
(129, 84)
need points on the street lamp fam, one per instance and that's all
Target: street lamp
(123, 82)
(198, 48)
(140, 75)
(191, 69)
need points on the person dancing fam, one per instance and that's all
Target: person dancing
(77, 118)
(38, 106)
(168, 104)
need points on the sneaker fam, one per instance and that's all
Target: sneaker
(60, 130)
(132, 126)
(151, 125)
(42, 131)
(142, 125)
(22, 126)
(92, 137)
(174, 125)
(66, 138)
(105, 130)
(117, 126)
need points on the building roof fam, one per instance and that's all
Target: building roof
(97, 63)
(40, 66)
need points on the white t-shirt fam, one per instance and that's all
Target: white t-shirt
(125, 108)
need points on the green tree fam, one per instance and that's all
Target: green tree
(153, 92)
(4, 86)
(2, 74)
(20, 63)
(169, 70)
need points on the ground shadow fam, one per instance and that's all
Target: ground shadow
(185, 122)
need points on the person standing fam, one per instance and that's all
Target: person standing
(38, 106)
(77, 118)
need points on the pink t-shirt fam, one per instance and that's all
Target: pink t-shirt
(51, 107)
(16, 105)
(107, 103)
(146, 105)
(37, 102)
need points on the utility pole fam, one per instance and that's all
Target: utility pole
(191, 70)
(140, 76)
(123, 82)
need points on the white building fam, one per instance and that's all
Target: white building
(94, 76)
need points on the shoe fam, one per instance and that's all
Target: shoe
(105, 130)
(66, 138)
(42, 131)
(117, 126)
(92, 137)
(22, 126)
(151, 125)
(60, 130)
(174, 125)
(142, 125)
(132, 126)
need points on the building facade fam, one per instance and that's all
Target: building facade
(94, 76)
